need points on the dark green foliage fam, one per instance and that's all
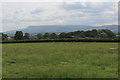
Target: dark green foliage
(94, 33)
(46, 36)
(27, 36)
(118, 37)
(79, 34)
(65, 40)
(62, 35)
(4, 36)
(109, 33)
(53, 36)
(101, 34)
(90, 33)
(82, 34)
(69, 35)
(18, 35)
(39, 36)
(87, 33)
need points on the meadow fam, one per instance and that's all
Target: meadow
(60, 60)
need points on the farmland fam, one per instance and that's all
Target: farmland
(60, 60)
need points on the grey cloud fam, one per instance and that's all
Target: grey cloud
(77, 13)
(75, 6)
(37, 11)
(18, 11)
(88, 7)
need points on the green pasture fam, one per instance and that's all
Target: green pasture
(60, 60)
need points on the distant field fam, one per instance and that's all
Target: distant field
(60, 60)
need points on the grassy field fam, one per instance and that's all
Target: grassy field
(60, 60)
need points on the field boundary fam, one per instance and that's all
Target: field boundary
(40, 41)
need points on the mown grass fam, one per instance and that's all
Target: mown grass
(0, 61)
(60, 60)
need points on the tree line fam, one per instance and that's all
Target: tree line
(104, 33)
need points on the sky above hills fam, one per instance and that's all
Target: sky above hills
(18, 15)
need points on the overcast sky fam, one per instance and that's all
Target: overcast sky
(17, 15)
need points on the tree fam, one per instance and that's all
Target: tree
(82, 34)
(62, 35)
(18, 35)
(53, 36)
(88, 33)
(46, 36)
(77, 33)
(118, 37)
(109, 33)
(4, 36)
(94, 33)
(69, 35)
(39, 36)
(102, 35)
(27, 36)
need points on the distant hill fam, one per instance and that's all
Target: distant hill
(63, 28)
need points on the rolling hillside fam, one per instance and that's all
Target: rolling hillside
(63, 28)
